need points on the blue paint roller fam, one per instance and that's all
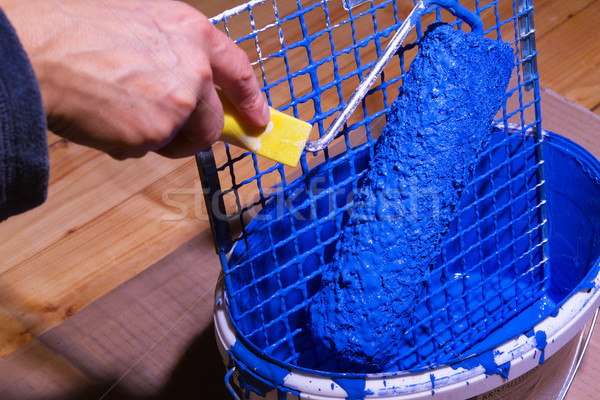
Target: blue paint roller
(436, 129)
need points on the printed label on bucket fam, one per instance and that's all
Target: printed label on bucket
(521, 386)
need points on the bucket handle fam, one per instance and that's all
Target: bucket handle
(228, 383)
(577, 361)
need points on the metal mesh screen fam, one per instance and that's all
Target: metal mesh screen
(275, 227)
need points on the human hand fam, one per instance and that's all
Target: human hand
(129, 77)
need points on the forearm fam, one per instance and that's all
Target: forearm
(129, 77)
(124, 77)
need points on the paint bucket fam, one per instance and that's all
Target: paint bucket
(522, 361)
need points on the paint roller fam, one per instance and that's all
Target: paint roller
(436, 129)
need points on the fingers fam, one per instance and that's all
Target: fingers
(233, 73)
(202, 128)
(231, 70)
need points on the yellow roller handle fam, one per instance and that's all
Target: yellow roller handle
(282, 140)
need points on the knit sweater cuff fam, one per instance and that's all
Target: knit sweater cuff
(24, 164)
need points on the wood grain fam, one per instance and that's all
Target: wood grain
(569, 57)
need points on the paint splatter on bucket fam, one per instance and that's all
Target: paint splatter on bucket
(518, 273)
(510, 358)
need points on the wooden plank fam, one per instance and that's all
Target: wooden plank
(84, 184)
(558, 113)
(52, 138)
(569, 58)
(585, 385)
(146, 333)
(549, 14)
(55, 282)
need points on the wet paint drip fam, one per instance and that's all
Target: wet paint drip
(540, 339)
(263, 377)
(563, 171)
(432, 378)
(355, 388)
(487, 361)
(436, 129)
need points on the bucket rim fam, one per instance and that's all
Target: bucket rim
(560, 328)
(569, 318)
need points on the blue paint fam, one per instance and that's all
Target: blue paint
(541, 343)
(513, 328)
(408, 196)
(587, 285)
(354, 387)
(564, 171)
(257, 374)
(573, 224)
(486, 360)
(529, 333)
(461, 12)
(504, 370)
(275, 268)
(432, 378)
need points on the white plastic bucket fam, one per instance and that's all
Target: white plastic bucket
(540, 366)
(449, 383)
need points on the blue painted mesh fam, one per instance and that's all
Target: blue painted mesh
(309, 57)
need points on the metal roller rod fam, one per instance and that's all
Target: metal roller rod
(361, 91)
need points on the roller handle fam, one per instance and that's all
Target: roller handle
(453, 6)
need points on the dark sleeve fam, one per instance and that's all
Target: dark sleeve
(23, 144)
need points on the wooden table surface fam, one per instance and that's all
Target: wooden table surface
(106, 221)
